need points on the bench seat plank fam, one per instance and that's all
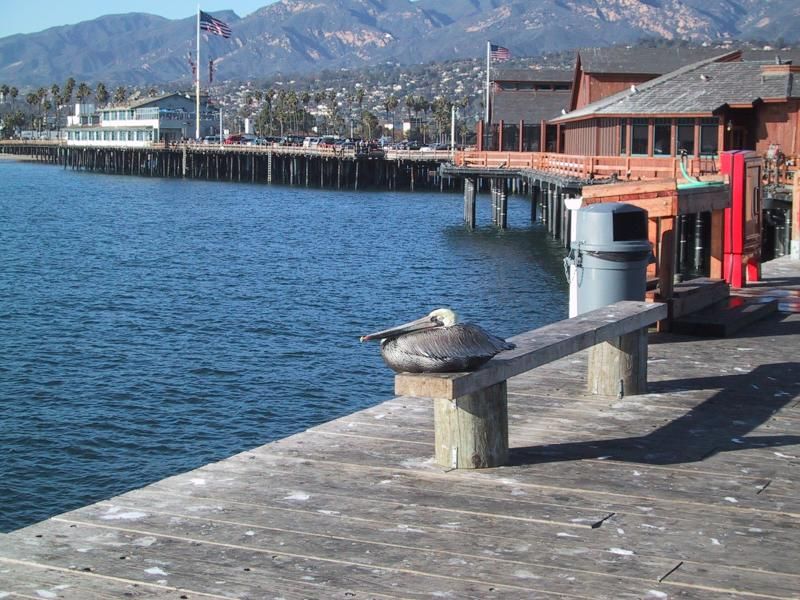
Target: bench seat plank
(535, 348)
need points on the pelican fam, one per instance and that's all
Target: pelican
(437, 343)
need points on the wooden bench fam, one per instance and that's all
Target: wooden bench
(470, 409)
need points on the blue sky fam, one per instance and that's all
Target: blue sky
(27, 16)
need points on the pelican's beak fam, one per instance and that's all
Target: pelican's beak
(423, 323)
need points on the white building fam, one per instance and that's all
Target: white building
(165, 119)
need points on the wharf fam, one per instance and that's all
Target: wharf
(689, 491)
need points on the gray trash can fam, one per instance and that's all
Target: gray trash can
(609, 255)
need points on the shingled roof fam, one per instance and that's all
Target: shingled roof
(531, 107)
(641, 61)
(534, 75)
(697, 89)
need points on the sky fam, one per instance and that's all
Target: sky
(28, 16)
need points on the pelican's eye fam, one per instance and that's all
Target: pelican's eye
(437, 320)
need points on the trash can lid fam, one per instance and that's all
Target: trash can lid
(611, 227)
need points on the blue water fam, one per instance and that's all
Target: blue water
(149, 326)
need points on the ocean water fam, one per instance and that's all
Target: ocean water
(150, 326)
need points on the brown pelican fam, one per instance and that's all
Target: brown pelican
(437, 343)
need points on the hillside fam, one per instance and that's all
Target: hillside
(300, 36)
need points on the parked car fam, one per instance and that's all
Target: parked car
(211, 139)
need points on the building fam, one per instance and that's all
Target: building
(164, 119)
(523, 100)
(602, 72)
(716, 104)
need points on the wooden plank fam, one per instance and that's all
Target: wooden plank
(224, 557)
(535, 348)
(625, 188)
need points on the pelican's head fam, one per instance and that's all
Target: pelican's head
(441, 317)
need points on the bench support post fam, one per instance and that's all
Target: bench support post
(471, 432)
(619, 367)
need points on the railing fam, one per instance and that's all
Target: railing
(589, 167)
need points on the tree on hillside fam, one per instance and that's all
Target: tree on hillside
(4, 91)
(120, 95)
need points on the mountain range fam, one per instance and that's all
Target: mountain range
(301, 36)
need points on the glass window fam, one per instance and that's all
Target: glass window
(639, 136)
(685, 134)
(662, 134)
(623, 136)
(709, 129)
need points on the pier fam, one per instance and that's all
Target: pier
(289, 165)
(689, 490)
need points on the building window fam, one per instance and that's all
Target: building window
(623, 136)
(685, 133)
(709, 128)
(639, 136)
(662, 134)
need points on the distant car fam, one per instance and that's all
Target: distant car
(233, 139)
(211, 139)
(310, 142)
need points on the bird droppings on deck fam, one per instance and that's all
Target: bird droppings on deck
(144, 542)
(524, 574)
(113, 514)
(299, 496)
(655, 594)
(155, 571)
(789, 456)
(197, 481)
(731, 499)
(621, 551)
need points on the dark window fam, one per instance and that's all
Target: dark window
(686, 136)
(639, 136)
(709, 128)
(623, 136)
(662, 134)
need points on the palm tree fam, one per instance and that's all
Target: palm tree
(84, 91)
(13, 92)
(101, 94)
(32, 98)
(4, 91)
(69, 87)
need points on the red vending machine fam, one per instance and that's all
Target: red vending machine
(742, 242)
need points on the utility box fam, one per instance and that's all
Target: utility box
(610, 254)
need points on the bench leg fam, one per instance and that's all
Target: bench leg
(619, 368)
(471, 432)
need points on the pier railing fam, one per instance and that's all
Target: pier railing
(589, 167)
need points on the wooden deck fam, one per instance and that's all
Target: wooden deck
(689, 491)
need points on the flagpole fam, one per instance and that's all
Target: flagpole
(197, 81)
(488, 66)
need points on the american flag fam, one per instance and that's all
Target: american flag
(499, 53)
(215, 26)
